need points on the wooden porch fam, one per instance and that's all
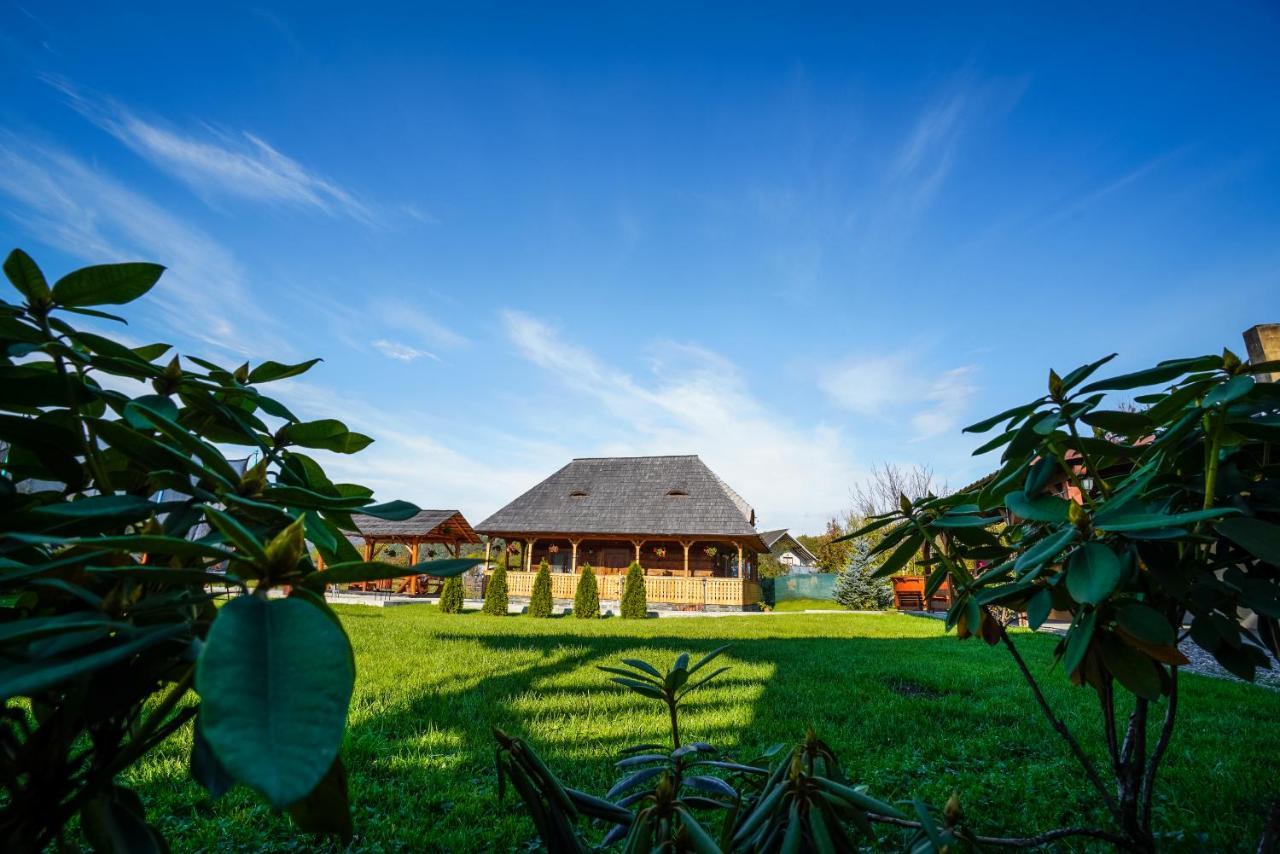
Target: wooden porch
(660, 589)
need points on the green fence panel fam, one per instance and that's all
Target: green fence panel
(820, 585)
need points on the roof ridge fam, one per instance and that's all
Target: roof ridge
(643, 457)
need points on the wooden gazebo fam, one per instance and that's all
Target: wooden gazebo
(693, 536)
(447, 528)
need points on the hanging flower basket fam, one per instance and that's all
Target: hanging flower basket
(512, 548)
(711, 551)
(659, 551)
(553, 549)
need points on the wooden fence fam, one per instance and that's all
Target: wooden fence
(732, 592)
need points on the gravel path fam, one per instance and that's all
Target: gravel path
(1202, 662)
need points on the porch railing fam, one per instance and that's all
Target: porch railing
(664, 589)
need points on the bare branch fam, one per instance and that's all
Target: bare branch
(1060, 727)
(1166, 731)
(1018, 841)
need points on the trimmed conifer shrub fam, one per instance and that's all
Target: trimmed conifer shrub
(586, 599)
(451, 595)
(540, 598)
(495, 595)
(634, 604)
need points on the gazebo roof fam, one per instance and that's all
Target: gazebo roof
(426, 525)
(676, 496)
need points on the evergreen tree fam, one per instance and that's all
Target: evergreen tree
(495, 595)
(451, 595)
(634, 604)
(855, 588)
(540, 598)
(586, 599)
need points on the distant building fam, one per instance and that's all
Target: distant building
(790, 552)
(693, 535)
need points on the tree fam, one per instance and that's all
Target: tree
(634, 605)
(856, 587)
(451, 595)
(495, 594)
(1175, 520)
(830, 547)
(770, 567)
(540, 598)
(586, 599)
(124, 521)
(880, 491)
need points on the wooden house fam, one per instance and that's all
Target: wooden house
(692, 534)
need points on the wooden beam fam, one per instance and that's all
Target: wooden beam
(686, 543)
(528, 555)
(413, 559)
(741, 569)
(573, 565)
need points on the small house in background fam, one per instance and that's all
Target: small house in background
(790, 552)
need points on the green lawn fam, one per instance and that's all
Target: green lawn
(910, 711)
(807, 605)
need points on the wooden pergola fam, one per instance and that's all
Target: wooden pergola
(447, 528)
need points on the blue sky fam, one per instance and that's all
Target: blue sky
(796, 241)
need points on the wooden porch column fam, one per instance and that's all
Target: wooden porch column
(368, 550)
(488, 544)
(742, 570)
(413, 561)
(637, 544)
(686, 544)
(573, 566)
(528, 555)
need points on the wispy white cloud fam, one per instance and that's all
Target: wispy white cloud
(696, 401)
(401, 352)
(217, 163)
(895, 387)
(63, 202)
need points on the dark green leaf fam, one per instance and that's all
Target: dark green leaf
(1146, 624)
(1162, 373)
(269, 371)
(1233, 389)
(903, 553)
(327, 434)
(1147, 521)
(1131, 668)
(1078, 638)
(1045, 549)
(394, 511)
(326, 809)
(1039, 607)
(25, 275)
(1083, 373)
(1043, 508)
(1259, 538)
(1093, 572)
(106, 284)
(1013, 412)
(275, 679)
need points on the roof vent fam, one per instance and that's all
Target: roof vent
(677, 493)
(577, 493)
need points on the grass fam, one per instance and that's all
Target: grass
(807, 604)
(909, 710)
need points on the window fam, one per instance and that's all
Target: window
(677, 493)
(577, 493)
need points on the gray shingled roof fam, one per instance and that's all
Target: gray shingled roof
(628, 495)
(421, 525)
(771, 539)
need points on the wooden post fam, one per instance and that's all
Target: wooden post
(368, 550)
(573, 565)
(686, 543)
(528, 557)
(413, 561)
(742, 570)
(1263, 345)
(488, 544)
(637, 544)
